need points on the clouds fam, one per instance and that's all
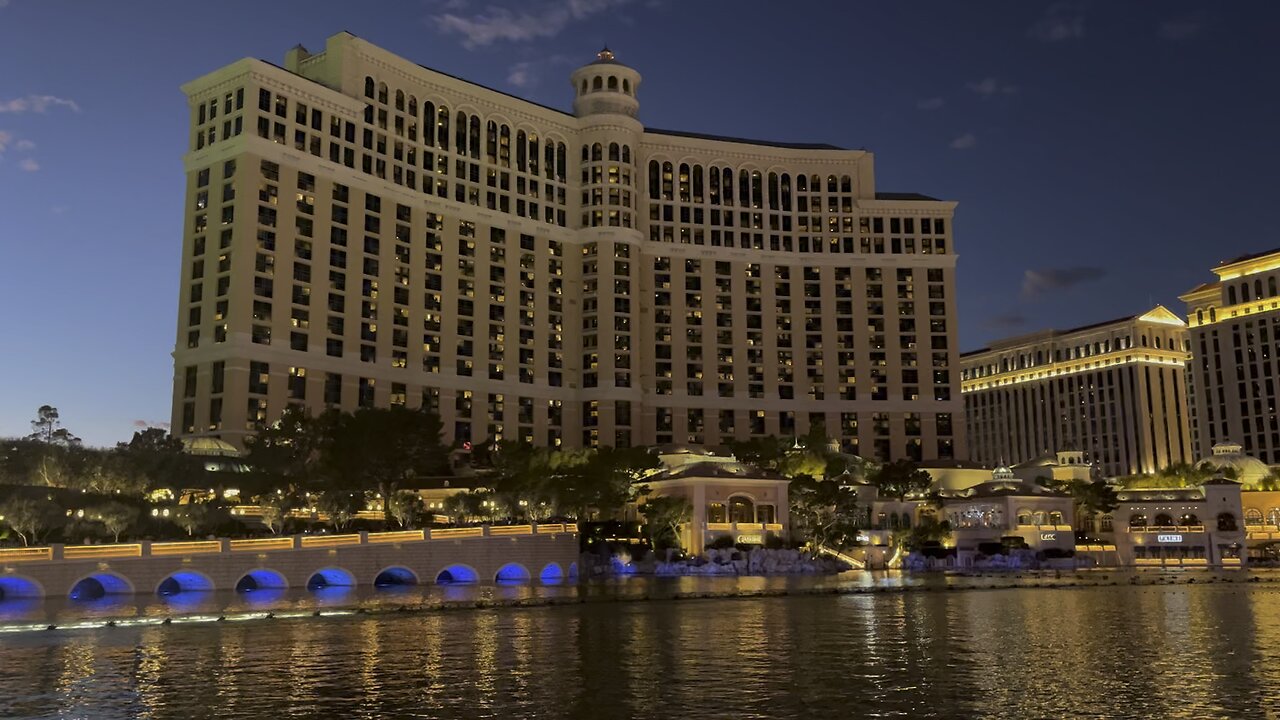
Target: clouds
(29, 164)
(37, 104)
(1061, 21)
(1007, 321)
(534, 20)
(989, 87)
(964, 142)
(144, 424)
(1037, 283)
(521, 75)
(9, 140)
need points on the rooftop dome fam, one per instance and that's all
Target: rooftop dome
(1249, 471)
(209, 446)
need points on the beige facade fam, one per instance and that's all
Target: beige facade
(363, 231)
(1235, 340)
(1115, 390)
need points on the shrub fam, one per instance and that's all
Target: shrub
(774, 542)
(723, 542)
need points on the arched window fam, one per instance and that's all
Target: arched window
(1199, 317)
(533, 154)
(504, 146)
(597, 152)
(491, 141)
(473, 142)
(786, 192)
(549, 167)
(400, 100)
(626, 86)
(562, 164)
(846, 184)
(522, 151)
(1271, 286)
(597, 83)
(1252, 516)
(626, 154)
(1273, 516)
(1257, 289)
(584, 85)
(716, 513)
(831, 184)
(1055, 518)
(460, 134)
(802, 183)
(654, 180)
(1038, 517)
(684, 182)
(774, 200)
(413, 106)
(1163, 520)
(615, 152)
(586, 153)
(744, 188)
(893, 521)
(1226, 522)
(906, 521)
(368, 87)
(1213, 315)
(1024, 517)
(741, 510)
(1231, 294)
(382, 93)
(613, 82)
(442, 127)
(429, 125)
(1189, 519)
(668, 188)
(1244, 292)
(697, 183)
(1106, 523)
(1137, 520)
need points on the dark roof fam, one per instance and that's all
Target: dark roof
(1250, 256)
(1054, 333)
(905, 196)
(725, 138)
(716, 470)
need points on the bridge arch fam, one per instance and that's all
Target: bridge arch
(184, 581)
(573, 572)
(512, 573)
(395, 576)
(261, 579)
(17, 586)
(457, 574)
(551, 574)
(100, 584)
(330, 577)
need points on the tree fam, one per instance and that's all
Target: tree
(928, 530)
(115, 516)
(406, 507)
(663, 516)
(341, 506)
(900, 478)
(155, 460)
(374, 449)
(1089, 497)
(275, 508)
(825, 512)
(466, 506)
(47, 428)
(29, 516)
(192, 517)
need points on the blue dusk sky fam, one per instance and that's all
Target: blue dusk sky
(1105, 155)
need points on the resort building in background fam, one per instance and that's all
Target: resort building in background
(362, 231)
(1114, 390)
(1234, 323)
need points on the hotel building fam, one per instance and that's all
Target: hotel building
(1234, 323)
(362, 231)
(1114, 390)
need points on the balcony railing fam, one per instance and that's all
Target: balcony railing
(287, 542)
(1166, 529)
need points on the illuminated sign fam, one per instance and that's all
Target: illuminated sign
(752, 539)
(1169, 538)
(1048, 536)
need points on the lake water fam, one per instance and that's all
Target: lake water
(1171, 651)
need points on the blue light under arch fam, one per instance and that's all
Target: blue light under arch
(457, 575)
(16, 586)
(185, 581)
(330, 577)
(512, 573)
(551, 574)
(395, 576)
(261, 579)
(99, 585)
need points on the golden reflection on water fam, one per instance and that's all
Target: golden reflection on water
(1185, 651)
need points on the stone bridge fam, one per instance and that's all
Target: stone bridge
(489, 554)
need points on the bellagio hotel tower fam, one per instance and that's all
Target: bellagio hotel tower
(361, 231)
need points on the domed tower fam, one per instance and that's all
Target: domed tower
(606, 106)
(605, 86)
